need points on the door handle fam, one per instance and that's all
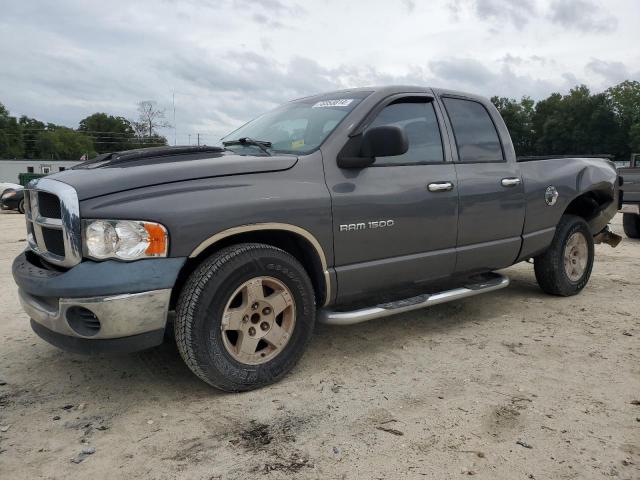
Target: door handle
(440, 187)
(510, 182)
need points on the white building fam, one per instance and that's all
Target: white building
(10, 169)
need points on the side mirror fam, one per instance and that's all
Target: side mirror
(384, 141)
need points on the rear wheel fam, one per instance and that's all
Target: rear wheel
(21, 207)
(564, 269)
(631, 224)
(245, 316)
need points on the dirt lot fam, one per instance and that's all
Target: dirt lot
(441, 393)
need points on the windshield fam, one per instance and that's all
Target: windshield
(297, 127)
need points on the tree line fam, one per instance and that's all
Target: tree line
(576, 123)
(579, 122)
(98, 133)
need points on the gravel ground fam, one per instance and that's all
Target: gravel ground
(511, 385)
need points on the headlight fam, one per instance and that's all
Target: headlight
(8, 195)
(124, 239)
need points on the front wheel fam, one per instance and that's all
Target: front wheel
(245, 316)
(21, 207)
(564, 269)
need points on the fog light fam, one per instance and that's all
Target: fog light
(83, 321)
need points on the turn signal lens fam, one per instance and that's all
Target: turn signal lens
(158, 240)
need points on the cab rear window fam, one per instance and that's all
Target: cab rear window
(475, 134)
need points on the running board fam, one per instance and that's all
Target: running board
(487, 283)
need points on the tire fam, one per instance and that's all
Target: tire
(552, 275)
(21, 207)
(210, 293)
(631, 224)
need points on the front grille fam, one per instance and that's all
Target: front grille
(53, 222)
(49, 205)
(53, 240)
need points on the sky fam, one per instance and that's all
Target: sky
(224, 62)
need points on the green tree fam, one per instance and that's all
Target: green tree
(634, 138)
(63, 143)
(625, 100)
(542, 115)
(602, 127)
(575, 123)
(109, 133)
(518, 116)
(30, 129)
(11, 144)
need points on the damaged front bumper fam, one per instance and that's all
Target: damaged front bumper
(99, 324)
(98, 307)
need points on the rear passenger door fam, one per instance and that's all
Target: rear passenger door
(490, 190)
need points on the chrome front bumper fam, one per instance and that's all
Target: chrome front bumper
(119, 316)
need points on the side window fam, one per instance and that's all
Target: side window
(418, 118)
(475, 133)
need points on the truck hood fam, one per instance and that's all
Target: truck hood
(120, 172)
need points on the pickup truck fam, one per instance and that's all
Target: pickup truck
(341, 207)
(630, 191)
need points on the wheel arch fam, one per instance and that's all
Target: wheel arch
(592, 206)
(293, 239)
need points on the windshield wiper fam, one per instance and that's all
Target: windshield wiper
(261, 144)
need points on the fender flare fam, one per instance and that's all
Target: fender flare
(256, 227)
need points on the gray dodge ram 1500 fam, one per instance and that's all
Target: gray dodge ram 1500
(340, 207)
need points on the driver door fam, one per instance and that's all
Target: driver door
(395, 222)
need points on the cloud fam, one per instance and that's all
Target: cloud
(470, 75)
(462, 71)
(410, 5)
(275, 6)
(517, 12)
(265, 20)
(611, 72)
(524, 61)
(230, 60)
(512, 59)
(582, 15)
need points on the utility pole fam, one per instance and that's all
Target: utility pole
(189, 139)
(198, 139)
(175, 134)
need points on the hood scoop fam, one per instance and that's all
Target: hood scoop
(120, 171)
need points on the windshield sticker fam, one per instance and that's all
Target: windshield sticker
(342, 102)
(297, 144)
